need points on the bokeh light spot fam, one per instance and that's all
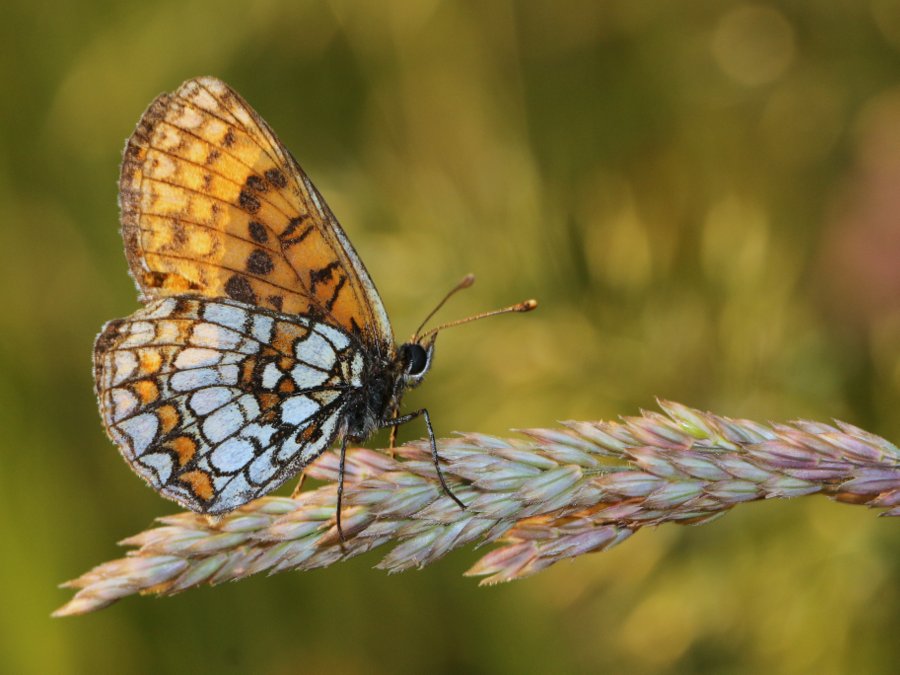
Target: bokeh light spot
(753, 45)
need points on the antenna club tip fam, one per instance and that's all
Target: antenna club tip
(527, 306)
(467, 280)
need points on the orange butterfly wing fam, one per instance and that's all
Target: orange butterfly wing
(213, 204)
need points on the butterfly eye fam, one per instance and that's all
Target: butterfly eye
(415, 359)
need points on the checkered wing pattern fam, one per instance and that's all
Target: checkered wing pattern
(216, 402)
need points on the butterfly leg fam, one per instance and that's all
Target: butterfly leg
(300, 483)
(394, 429)
(340, 493)
(396, 421)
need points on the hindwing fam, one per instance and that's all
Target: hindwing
(216, 402)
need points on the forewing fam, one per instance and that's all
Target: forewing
(215, 403)
(213, 204)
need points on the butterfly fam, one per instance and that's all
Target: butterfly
(262, 340)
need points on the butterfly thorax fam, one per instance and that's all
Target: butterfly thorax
(385, 381)
(371, 404)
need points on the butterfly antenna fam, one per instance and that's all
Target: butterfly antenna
(526, 306)
(467, 281)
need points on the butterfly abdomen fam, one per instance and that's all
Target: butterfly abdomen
(370, 405)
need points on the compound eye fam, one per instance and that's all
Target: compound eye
(416, 359)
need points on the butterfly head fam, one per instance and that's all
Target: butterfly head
(415, 360)
(415, 356)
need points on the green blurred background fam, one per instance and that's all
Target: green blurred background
(704, 196)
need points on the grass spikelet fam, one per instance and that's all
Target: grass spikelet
(552, 495)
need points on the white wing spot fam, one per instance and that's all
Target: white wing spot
(298, 409)
(232, 455)
(161, 309)
(270, 376)
(197, 357)
(164, 166)
(288, 449)
(124, 403)
(237, 492)
(160, 463)
(249, 405)
(206, 400)
(212, 335)
(262, 468)
(188, 380)
(231, 357)
(247, 346)
(168, 332)
(166, 137)
(316, 351)
(216, 128)
(356, 369)
(262, 433)
(223, 423)
(262, 328)
(141, 430)
(202, 97)
(307, 377)
(140, 333)
(337, 338)
(229, 374)
(189, 118)
(225, 315)
(124, 365)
